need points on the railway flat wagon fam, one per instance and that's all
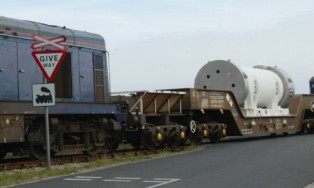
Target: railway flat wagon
(83, 119)
(227, 100)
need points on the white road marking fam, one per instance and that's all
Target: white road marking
(310, 185)
(82, 178)
(153, 181)
(88, 177)
(76, 179)
(166, 179)
(116, 180)
(161, 182)
(126, 178)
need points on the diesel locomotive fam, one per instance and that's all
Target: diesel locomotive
(83, 119)
(227, 100)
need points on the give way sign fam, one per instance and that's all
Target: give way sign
(49, 61)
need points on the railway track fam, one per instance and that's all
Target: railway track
(25, 163)
(77, 159)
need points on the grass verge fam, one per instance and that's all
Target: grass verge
(15, 177)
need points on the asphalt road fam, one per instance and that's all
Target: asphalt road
(263, 162)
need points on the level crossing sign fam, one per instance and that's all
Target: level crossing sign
(53, 42)
(49, 61)
(44, 94)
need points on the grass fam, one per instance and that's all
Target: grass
(15, 177)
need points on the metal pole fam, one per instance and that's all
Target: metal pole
(47, 133)
(47, 136)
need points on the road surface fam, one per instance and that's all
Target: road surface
(260, 162)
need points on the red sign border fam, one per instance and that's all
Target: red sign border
(34, 53)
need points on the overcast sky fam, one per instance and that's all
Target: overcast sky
(159, 44)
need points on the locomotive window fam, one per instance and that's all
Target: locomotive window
(63, 79)
(99, 78)
(98, 62)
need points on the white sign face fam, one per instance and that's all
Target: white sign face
(44, 94)
(49, 61)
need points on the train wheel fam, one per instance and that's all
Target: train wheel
(147, 140)
(196, 139)
(215, 138)
(182, 142)
(111, 144)
(174, 141)
(94, 151)
(136, 143)
(2, 155)
(38, 152)
(304, 129)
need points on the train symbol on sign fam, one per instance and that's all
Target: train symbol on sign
(44, 94)
(44, 98)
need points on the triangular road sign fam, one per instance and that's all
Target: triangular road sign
(49, 62)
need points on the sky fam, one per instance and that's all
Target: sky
(162, 44)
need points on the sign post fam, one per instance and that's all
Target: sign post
(49, 62)
(44, 95)
(47, 136)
